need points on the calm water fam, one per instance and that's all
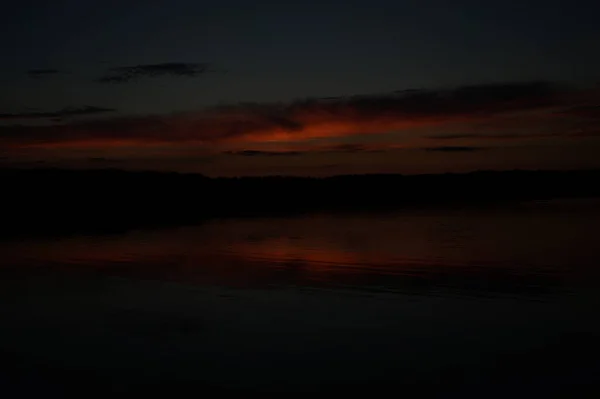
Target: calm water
(489, 301)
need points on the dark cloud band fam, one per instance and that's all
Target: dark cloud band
(63, 113)
(129, 73)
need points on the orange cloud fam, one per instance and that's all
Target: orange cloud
(298, 121)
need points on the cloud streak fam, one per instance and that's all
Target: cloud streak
(257, 153)
(63, 113)
(579, 133)
(39, 73)
(453, 149)
(313, 149)
(247, 125)
(125, 74)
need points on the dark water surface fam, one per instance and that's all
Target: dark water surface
(487, 302)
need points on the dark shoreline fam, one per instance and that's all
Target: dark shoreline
(62, 201)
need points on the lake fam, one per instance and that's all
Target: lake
(486, 301)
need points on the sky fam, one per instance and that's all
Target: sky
(235, 87)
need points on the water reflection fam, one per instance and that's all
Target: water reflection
(526, 251)
(447, 301)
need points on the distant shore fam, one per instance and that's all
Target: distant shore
(48, 201)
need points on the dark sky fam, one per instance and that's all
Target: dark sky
(236, 87)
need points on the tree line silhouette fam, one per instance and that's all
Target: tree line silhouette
(53, 200)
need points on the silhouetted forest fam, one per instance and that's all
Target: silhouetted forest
(60, 200)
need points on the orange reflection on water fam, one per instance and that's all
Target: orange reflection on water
(285, 249)
(463, 250)
(230, 253)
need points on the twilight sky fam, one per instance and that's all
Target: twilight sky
(309, 88)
